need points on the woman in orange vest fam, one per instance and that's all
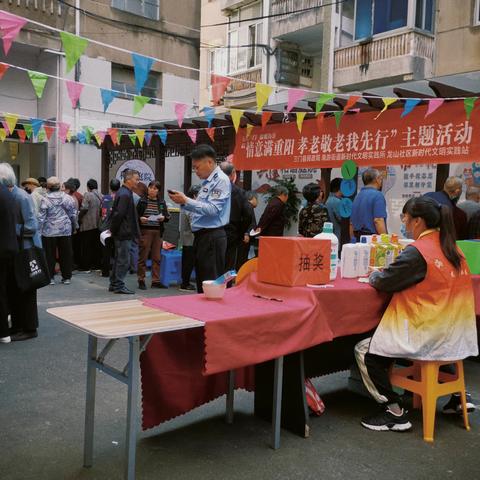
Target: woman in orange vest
(431, 315)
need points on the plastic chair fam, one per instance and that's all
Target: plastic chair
(424, 383)
(171, 267)
(246, 269)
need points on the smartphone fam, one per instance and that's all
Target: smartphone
(172, 192)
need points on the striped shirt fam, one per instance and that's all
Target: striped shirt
(152, 209)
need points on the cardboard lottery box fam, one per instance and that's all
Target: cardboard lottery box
(293, 261)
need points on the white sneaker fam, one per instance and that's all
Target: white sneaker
(66, 281)
(5, 339)
(52, 282)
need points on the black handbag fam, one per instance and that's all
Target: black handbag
(30, 267)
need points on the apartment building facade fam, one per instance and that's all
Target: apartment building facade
(163, 30)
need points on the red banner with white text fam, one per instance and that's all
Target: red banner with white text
(445, 136)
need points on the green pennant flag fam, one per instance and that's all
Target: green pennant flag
(133, 138)
(88, 134)
(138, 103)
(28, 130)
(39, 80)
(42, 136)
(338, 117)
(469, 103)
(74, 47)
(322, 100)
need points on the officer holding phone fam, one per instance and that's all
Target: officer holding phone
(210, 212)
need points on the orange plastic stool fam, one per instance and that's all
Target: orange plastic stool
(424, 383)
(246, 269)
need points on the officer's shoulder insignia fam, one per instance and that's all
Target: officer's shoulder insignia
(215, 176)
(216, 193)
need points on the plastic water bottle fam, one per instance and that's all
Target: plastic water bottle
(225, 278)
(328, 234)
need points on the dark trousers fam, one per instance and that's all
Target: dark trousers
(231, 254)
(77, 249)
(242, 254)
(107, 256)
(209, 247)
(378, 368)
(90, 249)
(121, 263)
(4, 310)
(22, 306)
(188, 262)
(65, 255)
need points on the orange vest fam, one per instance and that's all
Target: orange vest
(434, 319)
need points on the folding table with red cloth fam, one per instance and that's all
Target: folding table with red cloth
(315, 328)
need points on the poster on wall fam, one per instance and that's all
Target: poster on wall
(143, 168)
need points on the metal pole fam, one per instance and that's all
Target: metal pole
(76, 112)
(277, 403)
(132, 405)
(90, 402)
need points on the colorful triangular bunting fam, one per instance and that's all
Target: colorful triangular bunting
(28, 130)
(11, 121)
(140, 135)
(74, 90)
(266, 116)
(3, 135)
(410, 104)
(433, 104)
(211, 133)
(322, 100)
(133, 138)
(100, 136)
(36, 125)
(62, 131)
(139, 102)
(39, 80)
(294, 96)
(387, 101)
(352, 100)
(48, 131)
(5, 127)
(148, 138)
(73, 47)
(3, 68)
(163, 134)
(469, 103)
(338, 117)
(192, 133)
(142, 66)
(249, 129)
(107, 97)
(209, 113)
(21, 135)
(236, 116)
(180, 110)
(113, 133)
(10, 26)
(88, 132)
(300, 119)
(219, 86)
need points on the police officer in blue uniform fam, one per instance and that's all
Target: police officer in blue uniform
(209, 213)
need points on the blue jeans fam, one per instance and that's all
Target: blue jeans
(121, 264)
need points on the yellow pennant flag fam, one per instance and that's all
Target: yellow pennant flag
(249, 130)
(11, 121)
(3, 134)
(69, 135)
(140, 135)
(387, 101)
(236, 116)
(98, 138)
(300, 119)
(263, 92)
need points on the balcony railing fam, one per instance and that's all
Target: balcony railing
(285, 6)
(253, 75)
(51, 7)
(408, 43)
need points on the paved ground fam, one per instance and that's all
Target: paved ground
(42, 388)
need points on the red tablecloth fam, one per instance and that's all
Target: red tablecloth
(244, 330)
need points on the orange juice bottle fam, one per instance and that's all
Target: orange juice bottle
(373, 250)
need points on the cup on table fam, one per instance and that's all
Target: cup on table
(212, 290)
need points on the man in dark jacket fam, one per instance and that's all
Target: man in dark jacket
(124, 227)
(272, 222)
(239, 215)
(452, 189)
(8, 247)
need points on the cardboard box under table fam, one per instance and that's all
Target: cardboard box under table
(293, 261)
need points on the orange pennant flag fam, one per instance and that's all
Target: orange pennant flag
(319, 119)
(211, 133)
(48, 131)
(249, 129)
(266, 116)
(351, 102)
(22, 134)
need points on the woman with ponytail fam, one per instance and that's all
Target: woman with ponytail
(431, 315)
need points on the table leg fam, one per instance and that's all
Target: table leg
(132, 405)
(230, 397)
(277, 403)
(90, 402)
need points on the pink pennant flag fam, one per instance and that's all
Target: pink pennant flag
(101, 135)
(74, 91)
(192, 133)
(10, 25)
(294, 96)
(180, 110)
(62, 131)
(433, 104)
(5, 126)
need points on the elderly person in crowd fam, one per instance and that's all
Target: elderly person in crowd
(33, 187)
(58, 220)
(312, 217)
(250, 224)
(153, 214)
(89, 220)
(272, 222)
(22, 305)
(8, 248)
(472, 203)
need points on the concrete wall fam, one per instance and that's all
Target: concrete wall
(457, 39)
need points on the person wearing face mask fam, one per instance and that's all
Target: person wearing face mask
(431, 315)
(449, 196)
(369, 209)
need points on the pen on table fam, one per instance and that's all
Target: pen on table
(267, 298)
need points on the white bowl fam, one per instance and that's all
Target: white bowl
(212, 290)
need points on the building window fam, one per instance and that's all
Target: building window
(424, 15)
(142, 8)
(476, 13)
(245, 33)
(123, 80)
(378, 16)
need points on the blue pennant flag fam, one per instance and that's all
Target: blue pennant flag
(81, 138)
(163, 136)
(410, 104)
(36, 125)
(107, 98)
(148, 138)
(209, 114)
(142, 66)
